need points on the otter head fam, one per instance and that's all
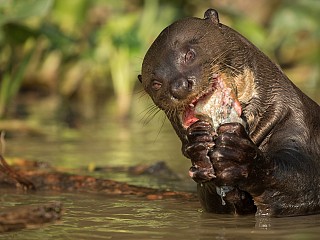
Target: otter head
(183, 65)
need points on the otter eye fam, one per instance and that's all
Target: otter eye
(156, 85)
(190, 55)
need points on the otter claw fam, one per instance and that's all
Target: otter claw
(201, 175)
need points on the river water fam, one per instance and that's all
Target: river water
(106, 142)
(99, 217)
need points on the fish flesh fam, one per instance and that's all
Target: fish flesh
(220, 107)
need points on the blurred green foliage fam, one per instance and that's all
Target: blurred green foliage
(85, 52)
(81, 50)
(15, 54)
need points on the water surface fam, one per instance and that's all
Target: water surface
(100, 217)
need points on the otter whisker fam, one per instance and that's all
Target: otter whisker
(150, 115)
(219, 57)
(162, 124)
(232, 68)
(140, 94)
(151, 109)
(171, 113)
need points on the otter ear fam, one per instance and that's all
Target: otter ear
(140, 78)
(213, 15)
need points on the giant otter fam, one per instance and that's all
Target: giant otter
(269, 164)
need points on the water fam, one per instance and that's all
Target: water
(92, 216)
(100, 217)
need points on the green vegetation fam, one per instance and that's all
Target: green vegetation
(87, 52)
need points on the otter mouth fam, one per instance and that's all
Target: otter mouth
(217, 104)
(189, 115)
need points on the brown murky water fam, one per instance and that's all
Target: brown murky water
(108, 143)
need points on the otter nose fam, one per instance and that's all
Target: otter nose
(181, 87)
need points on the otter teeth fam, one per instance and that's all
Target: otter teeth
(191, 105)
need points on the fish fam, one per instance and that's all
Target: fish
(219, 107)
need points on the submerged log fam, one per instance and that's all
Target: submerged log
(59, 181)
(32, 216)
(31, 176)
(49, 179)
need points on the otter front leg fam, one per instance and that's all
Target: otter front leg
(235, 160)
(200, 141)
(233, 155)
(238, 161)
(212, 196)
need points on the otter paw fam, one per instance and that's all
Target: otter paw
(233, 154)
(200, 141)
(200, 131)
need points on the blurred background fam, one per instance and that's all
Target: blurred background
(76, 56)
(72, 66)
